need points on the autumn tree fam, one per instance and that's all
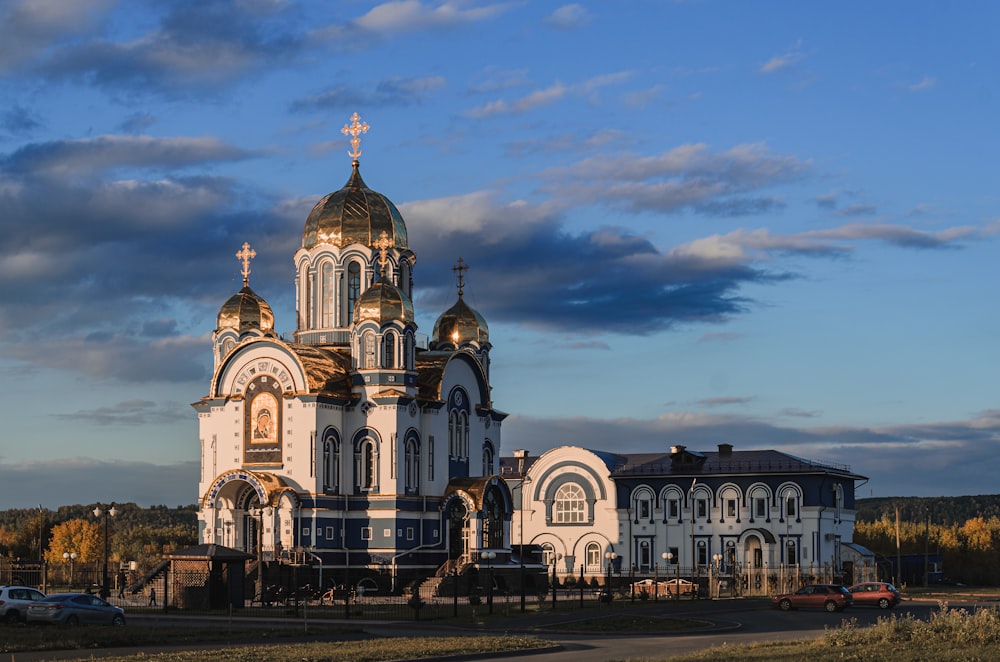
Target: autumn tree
(76, 535)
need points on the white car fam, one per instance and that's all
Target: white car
(14, 601)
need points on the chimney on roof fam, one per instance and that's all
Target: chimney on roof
(725, 449)
(677, 450)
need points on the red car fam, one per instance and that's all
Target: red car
(832, 597)
(878, 594)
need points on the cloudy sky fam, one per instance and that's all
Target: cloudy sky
(770, 224)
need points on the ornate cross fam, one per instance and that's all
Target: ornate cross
(354, 129)
(459, 268)
(245, 256)
(382, 244)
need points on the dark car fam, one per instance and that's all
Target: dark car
(832, 597)
(877, 594)
(14, 601)
(75, 609)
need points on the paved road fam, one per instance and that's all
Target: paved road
(736, 621)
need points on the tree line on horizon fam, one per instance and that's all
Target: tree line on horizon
(964, 530)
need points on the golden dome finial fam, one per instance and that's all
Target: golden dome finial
(245, 256)
(354, 129)
(458, 269)
(382, 244)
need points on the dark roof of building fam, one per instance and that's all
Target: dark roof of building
(694, 463)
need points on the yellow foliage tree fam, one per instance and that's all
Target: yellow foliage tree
(76, 535)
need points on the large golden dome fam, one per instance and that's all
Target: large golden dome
(354, 215)
(383, 302)
(244, 311)
(460, 324)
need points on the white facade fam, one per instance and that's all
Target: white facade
(356, 446)
(748, 514)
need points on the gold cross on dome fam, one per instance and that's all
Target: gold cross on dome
(382, 244)
(245, 256)
(354, 129)
(459, 268)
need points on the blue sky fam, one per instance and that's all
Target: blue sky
(771, 224)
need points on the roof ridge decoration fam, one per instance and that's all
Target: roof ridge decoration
(244, 256)
(355, 129)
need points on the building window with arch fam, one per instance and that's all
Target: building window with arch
(791, 504)
(331, 464)
(645, 555)
(366, 466)
(548, 553)
(791, 552)
(487, 459)
(326, 295)
(412, 466)
(702, 553)
(674, 508)
(570, 505)
(353, 289)
(593, 556)
(389, 350)
(408, 352)
(368, 348)
(493, 517)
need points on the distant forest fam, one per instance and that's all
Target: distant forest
(941, 510)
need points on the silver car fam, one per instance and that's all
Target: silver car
(75, 609)
(14, 601)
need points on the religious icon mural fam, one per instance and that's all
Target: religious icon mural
(262, 427)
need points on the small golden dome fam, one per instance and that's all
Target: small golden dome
(354, 215)
(460, 324)
(383, 302)
(244, 311)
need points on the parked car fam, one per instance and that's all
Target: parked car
(832, 597)
(880, 594)
(14, 601)
(75, 609)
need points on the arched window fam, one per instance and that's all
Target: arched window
(389, 350)
(487, 459)
(792, 556)
(453, 434)
(464, 439)
(570, 506)
(548, 553)
(368, 341)
(326, 295)
(493, 516)
(331, 464)
(412, 462)
(353, 289)
(702, 553)
(366, 465)
(593, 557)
(408, 352)
(645, 555)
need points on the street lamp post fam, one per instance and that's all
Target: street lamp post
(522, 456)
(555, 562)
(610, 556)
(258, 514)
(71, 557)
(668, 557)
(108, 514)
(489, 556)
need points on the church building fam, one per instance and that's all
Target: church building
(357, 445)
